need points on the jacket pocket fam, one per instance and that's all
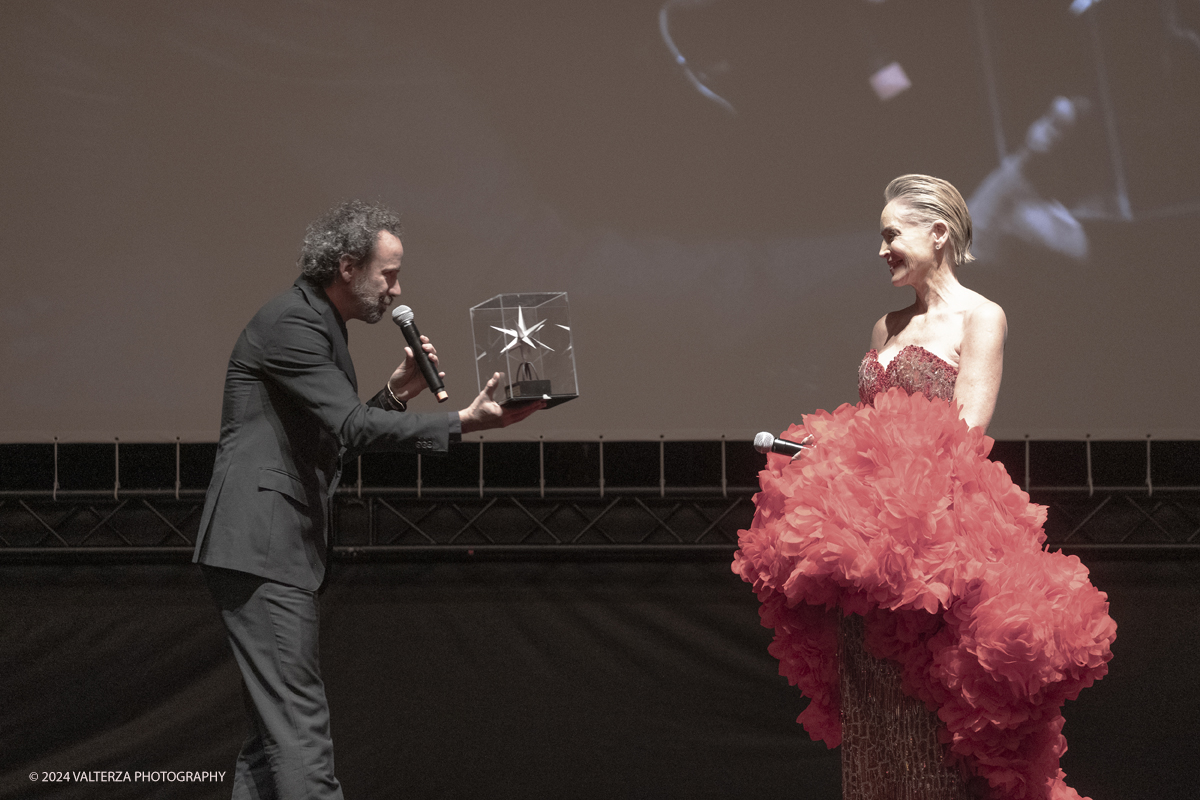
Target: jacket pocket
(279, 481)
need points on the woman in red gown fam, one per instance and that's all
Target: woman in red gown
(904, 573)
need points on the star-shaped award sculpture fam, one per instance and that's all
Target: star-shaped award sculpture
(533, 350)
(527, 383)
(523, 335)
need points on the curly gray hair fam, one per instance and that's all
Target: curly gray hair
(348, 229)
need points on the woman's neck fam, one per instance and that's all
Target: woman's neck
(939, 290)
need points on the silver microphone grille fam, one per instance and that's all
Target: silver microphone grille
(402, 314)
(763, 442)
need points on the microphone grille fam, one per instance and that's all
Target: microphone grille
(402, 315)
(763, 442)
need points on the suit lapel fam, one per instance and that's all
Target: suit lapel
(337, 328)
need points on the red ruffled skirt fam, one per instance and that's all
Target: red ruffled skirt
(898, 515)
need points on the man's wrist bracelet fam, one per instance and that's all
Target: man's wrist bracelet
(400, 404)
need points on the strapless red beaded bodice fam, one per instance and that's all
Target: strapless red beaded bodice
(914, 369)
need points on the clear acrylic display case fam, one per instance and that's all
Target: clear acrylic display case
(527, 337)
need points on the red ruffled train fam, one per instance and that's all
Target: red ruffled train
(898, 515)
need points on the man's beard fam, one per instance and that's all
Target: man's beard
(371, 307)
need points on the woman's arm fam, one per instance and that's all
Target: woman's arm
(981, 363)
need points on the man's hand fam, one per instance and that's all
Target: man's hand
(485, 413)
(407, 381)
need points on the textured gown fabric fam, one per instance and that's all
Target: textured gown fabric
(898, 515)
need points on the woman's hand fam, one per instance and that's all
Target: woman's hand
(806, 444)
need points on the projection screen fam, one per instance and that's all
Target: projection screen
(703, 178)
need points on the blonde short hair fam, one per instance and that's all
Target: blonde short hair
(931, 199)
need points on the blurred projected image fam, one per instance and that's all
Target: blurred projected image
(1183, 22)
(1119, 143)
(668, 163)
(1009, 204)
(887, 77)
(1093, 105)
(696, 76)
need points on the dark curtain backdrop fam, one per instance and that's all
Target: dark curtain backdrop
(498, 680)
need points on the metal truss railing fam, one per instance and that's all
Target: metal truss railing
(397, 524)
(139, 525)
(622, 523)
(1123, 519)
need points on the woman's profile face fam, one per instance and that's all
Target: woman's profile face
(908, 245)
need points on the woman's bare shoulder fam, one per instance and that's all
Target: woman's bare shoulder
(984, 320)
(984, 313)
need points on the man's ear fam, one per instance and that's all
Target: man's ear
(346, 266)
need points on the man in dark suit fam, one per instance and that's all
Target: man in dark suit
(290, 418)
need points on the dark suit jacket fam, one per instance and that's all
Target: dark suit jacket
(290, 417)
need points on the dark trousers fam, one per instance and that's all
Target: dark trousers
(273, 629)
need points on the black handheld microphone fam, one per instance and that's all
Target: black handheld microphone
(766, 443)
(403, 316)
